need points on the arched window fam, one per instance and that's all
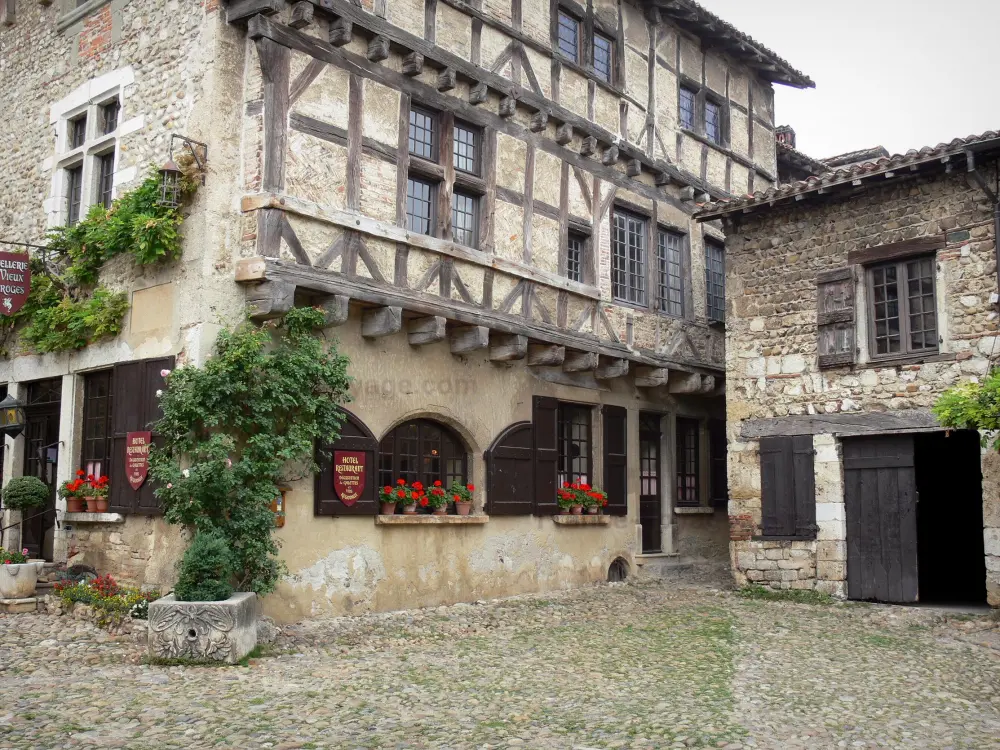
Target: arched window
(421, 450)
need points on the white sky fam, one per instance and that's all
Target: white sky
(898, 73)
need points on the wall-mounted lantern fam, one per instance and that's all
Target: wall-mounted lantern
(12, 419)
(171, 175)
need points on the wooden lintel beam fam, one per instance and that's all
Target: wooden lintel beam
(505, 347)
(240, 10)
(651, 377)
(580, 361)
(427, 330)
(610, 368)
(465, 339)
(381, 321)
(545, 355)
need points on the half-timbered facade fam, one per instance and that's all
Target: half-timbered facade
(858, 297)
(492, 202)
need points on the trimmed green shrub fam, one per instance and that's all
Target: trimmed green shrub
(206, 571)
(22, 493)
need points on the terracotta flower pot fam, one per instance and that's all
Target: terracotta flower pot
(388, 509)
(410, 510)
(592, 510)
(442, 511)
(97, 504)
(74, 505)
(576, 510)
(564, 511)
(463, 509)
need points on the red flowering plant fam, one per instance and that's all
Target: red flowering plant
(404, 494)
(580, 493)
(78, 487)
(461, 493)
(436, 496)
(98, 485)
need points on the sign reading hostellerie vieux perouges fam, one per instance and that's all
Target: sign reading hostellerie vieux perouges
(15, 282)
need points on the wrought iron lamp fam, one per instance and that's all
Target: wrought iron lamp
(12, 418)
(171, 175)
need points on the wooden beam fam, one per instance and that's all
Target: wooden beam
(589, 146)
(651, 377)
(239, 10)
(610, 156)
(479, 93)
(336, 310)
(381, 321)
(270, 299)
(447, 79)
(707, 384)
(303, 15)
(378, 49)
(687, 382)
(465, 339)
(873, 423)
(426, 330)
(609, 369)
(413, 64)
(564, 134)
(580, 361)
(633, 168)
(341, 32)
(545, 355)
(539, 121)
(508, 106)
(505, 347)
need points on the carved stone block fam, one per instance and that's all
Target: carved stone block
(210, 631)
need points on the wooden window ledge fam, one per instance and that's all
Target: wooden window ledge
(93, 518)
(581, 520)
(695, 510)
(430, 520)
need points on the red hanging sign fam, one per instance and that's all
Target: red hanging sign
(137, 457)
(349, 475)
(15, 282)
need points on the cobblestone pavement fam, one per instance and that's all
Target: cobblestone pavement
(647, 665)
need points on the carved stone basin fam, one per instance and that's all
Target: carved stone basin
(205, 631)
(18, 581)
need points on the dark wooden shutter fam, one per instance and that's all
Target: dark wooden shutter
(354, 436)
(788, 497)
(134, 408)
(510, 472)
(615, 419)
(545, 437)
(835, 325)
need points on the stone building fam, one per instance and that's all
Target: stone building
(493, 202)
(854, 299)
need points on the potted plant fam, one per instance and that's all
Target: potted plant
(594, 499)
(25, 493)
(406, 496)
(98, 493)
(437, 499)
(571, 498)
(387, 499)
(462, 495)
(75, 491)
(17, 576)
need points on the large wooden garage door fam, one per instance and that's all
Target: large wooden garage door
(881, 498)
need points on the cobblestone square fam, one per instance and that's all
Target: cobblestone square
(647, 665)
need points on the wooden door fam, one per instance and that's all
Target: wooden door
(650, 506)
(881, 498)
(41, 454)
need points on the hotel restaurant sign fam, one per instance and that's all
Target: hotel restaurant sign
(15, 282)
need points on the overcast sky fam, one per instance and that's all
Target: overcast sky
(898, 73)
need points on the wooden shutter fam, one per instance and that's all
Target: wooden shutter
(134, 408)
(788, 498)
(615, 420)
(835, 325)
(546, 454)
(354, 436)
(510, 472)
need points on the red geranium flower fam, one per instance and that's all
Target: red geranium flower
(457, 498)
(470, 487)
(584, 486)
(566, 485)
(418, 486)
(387, 489)
(437, 482)
(80, 472)
(423, 502)
(400, 481)
(400, 493)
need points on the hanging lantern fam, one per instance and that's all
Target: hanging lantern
(170, 184)
(12, 417)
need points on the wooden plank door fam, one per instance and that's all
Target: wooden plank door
(650, 504)
(41, 456)
(881, 499)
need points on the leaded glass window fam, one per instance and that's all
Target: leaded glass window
(628, 258)
(670, 279)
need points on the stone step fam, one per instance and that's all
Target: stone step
(18, 606)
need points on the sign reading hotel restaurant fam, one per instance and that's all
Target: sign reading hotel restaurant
(349, 475)
(137, 457)
(15, 282)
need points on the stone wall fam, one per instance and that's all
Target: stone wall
(773, 259)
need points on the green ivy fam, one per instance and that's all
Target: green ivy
(973, 406)
(233, 429)
(72, 324)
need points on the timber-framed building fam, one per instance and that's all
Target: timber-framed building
(493, 203)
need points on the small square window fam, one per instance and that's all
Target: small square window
(713, 122)
(464, 218)
(603, 47)
(74, 194)
(467, 149)
(109, 117)
(687, 110)
(419, 206)
(569, 36)
(77, 131)
(423, 141)
(574, 257)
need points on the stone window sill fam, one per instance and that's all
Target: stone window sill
(93, 518)
(430, 520)
(78, 14)
(582, 520)
(698, 510)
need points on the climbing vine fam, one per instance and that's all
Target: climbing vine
(231, 431)
(66, 308)
(973, 406)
